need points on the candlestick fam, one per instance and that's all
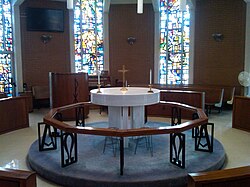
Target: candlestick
(150, 76)
(150, 89)
(99, 88)
(98, 75)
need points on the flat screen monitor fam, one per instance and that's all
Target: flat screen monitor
(44, 19)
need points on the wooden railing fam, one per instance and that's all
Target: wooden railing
(234, 177)
(52, 119)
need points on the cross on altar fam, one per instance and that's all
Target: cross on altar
(123, 71)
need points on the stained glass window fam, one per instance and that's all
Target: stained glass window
(88, 34)
(174, 43)
(6, 47)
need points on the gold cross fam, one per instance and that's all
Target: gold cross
(123, 71)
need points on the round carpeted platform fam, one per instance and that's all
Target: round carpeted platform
(95, 169)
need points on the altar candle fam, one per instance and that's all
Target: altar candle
(98, 75)
(150, 76)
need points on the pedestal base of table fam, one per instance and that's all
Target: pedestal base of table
(119, 118)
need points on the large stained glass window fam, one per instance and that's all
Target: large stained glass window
(174, 44)
(88, 34)
(6, 48)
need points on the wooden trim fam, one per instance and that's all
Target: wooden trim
(19, 177)
(216, 177)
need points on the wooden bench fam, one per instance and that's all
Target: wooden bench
(234, 177)
(212, 92)
(192, 98)
(17, 178)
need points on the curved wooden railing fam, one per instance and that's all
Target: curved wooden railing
(51, 119)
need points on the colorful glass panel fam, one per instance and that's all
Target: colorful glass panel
(6, 47)
(174, 46)
(88, 34)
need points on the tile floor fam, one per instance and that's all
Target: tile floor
(14, 145)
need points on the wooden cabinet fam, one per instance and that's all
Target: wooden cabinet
(68, 88)
(241, 113)
(14, 114)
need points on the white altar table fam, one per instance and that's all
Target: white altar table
(119, 101)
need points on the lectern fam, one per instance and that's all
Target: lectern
(68, 88)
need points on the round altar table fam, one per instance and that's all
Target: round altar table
(119, 101)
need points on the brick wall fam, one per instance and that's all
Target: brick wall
(38, 58)
(139, 57)
(219, 63)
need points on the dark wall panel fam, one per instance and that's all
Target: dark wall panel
(138, 58)
(219, 63)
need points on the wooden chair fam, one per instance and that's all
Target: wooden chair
(234, 177)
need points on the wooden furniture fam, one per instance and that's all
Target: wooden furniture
(14, 114)
(68, 88)
(2, 95)
(212, 92)
(241, 113)
(191, 98)
(234, 177)
(29, 99)
(17, 178)
(104, 80)
(40, 96)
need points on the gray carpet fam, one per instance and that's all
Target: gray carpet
(141, 170)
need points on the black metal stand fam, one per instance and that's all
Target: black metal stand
(194, 116)
(48, 139)
(80, 121)
(204, 141)
(68, 148)
(176, 116)
(121, 155)
(177, 149)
